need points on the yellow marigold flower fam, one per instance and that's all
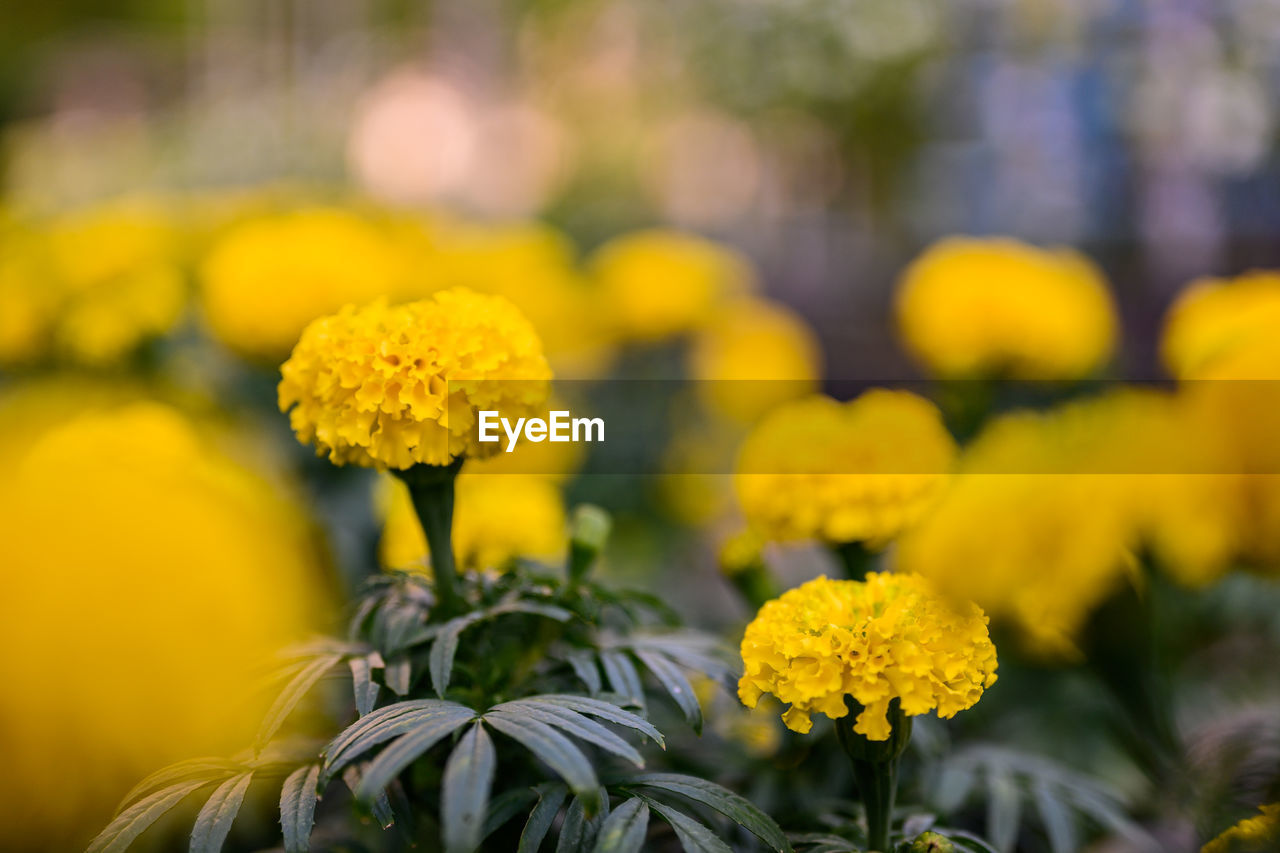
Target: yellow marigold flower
(1257, 834)
(265, 279)
(973, 307)
(844, 472)
(497, 517)
(659, 283)
(389, 387)
(888, 637)
(155, 575)
(752, 356)
(1215, 317)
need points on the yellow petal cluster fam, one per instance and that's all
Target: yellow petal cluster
(659, 283)
(998, 307)
(1214, 319)
(90, 286)
(148, 576)
(497, 517)
(266, 278)
(391, 386)
(841, 472)
(752, 356)
(1257, 834)
(888, 637)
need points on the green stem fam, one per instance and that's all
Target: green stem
(875, 768)
(431, 489)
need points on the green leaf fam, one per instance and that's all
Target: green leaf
(362, 683)
(379, 807)
(408, 747)
(133, 821)
(673, 680)
(191, 770)
(505, 806)
(398, 675)
(1058, 821)
(550, 611)
(622, 675)
(468, 776)
(573, 723)
(298, 798)
(293, 693)
(604, 710)
(553, 749)
(1004, 809)
(213, 824)
(445, 648)
(624, 831)
(733, 806)
(383, 725)
(584, 666)
(575, 830)
(694, 836)
(550, 798)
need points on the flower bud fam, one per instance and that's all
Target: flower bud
(931, 842)
(588, 533)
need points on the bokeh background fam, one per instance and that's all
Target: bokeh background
(186, 184)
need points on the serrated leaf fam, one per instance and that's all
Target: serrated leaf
(468, 776)
(398, 675)
(578, 725)
(622, 675)
(445, 648)
(362, 684)
(676, 685)
(383, 725)
(553, 749)
(406, 749)
(293, 693)
(1058, 823)
(202, 769)
(298, 797)
(135, 820)
(695, 837)
(213, 824)
(550, 798)
(1004, 808)
(583, 662)
(733, 806)
(505, 806)
(574, 830)
(624, 831)
(379, 806)
(604, 710)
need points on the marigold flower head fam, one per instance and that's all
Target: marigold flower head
(754, 355)
(659, 283)
(265, 279)
(1256, 834)
(391, 386)
(497, 517)
(842, 472)
(974, 307)
(888, 637)
(1215, 318)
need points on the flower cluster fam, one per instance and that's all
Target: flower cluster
(1214, 319)
(391, 386)
(969, 307)
(1251, 835)
(859, 471)
(888, 637)
(497, 517)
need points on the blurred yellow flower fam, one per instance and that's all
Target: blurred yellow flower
(389, 387)
(862, 471)
(1257, 834)
(753, 355)
(148, 577)
(1214, 318)
(91, 286)
(658, 283)
(888, 637)
(265, 279)
(997, 307)
(497, 517)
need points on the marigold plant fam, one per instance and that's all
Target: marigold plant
(1215, 317)
(983, 307)
(888, 637)
(392, 386)
(842, 472)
